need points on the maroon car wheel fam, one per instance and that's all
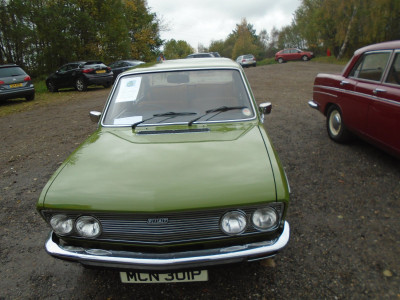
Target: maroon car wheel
(337, 131)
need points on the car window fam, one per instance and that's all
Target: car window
(12, 71)
(140, 96)
(64, 68)
(394, 71)
(371, 66)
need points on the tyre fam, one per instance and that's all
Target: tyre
(337, 130)
(80, 85)
(30, 97)
(280, 60)
(305, 58)
(107, 85)
(51, 86)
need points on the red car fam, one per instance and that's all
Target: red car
(365, 98)
(293, 54)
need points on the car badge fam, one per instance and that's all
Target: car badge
(157, 221)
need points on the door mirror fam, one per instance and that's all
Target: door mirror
(265, 108)
(95, 116)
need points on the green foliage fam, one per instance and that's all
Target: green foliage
(177, 49)
(41, 35)
(346, 25)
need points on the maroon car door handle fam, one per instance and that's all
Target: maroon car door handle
(377, 91)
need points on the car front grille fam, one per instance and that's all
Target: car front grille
(167, 228)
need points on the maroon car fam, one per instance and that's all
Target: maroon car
(365, 99)
(293, 54)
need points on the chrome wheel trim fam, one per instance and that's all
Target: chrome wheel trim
(335, 122)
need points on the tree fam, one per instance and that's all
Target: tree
(44, 34)
(245, 40)
(177, 49)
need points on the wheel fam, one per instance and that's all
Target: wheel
(51, 86)
(305, 58)
(337, 131)
(30, 97)
(80, 84)
(280, 60)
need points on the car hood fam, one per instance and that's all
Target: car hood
(124, 171)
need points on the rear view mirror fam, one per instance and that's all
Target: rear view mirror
(178, 78)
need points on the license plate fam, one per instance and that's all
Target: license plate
(100, 71)
(151, 277)
(15, 85)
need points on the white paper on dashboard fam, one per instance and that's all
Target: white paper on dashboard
(128, 120)
(128, 89)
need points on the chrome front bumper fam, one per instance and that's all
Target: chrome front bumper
(168, 261)
(313, 104)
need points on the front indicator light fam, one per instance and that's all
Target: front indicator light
(265, 218)
(233, 223)
(61, 224)
(88, 227)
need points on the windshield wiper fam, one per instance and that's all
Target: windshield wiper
(169, 115)
(217, 110)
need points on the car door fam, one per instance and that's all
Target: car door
(384, 111)
(65, 75)
(296, 54)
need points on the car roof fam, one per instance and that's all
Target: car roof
(183, 64)
(8, 65)
(380, 46)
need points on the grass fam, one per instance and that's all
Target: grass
(42, 98)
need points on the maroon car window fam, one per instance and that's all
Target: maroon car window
(394, 72)
(371, 66)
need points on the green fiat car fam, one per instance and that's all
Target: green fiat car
(179, 176)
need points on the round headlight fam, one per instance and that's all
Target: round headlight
(265, 218)
(61, 224)
(233, 222)
(88, 227)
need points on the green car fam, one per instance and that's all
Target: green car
(179, 176)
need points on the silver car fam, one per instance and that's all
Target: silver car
(15, 83)
(246, 60)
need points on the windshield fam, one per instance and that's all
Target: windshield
(143, 99)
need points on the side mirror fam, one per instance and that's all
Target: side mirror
(265, 108)
(95, 116)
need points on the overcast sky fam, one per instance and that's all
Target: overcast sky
(200, 22)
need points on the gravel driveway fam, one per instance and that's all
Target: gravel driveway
(344, 213)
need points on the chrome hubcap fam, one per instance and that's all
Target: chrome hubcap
(335, 122)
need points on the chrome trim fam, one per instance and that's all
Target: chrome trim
(371, 97)
(313, 104)
(177, 260)
(325, 93)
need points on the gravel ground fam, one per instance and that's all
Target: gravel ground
(344, 213)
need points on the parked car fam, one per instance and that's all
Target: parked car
(215, 54)
(365, 98)
(200, 55)
(247, 60)
(80, 75)
(293, 54)
(123, 65)
(180, 175)
(15, 83)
